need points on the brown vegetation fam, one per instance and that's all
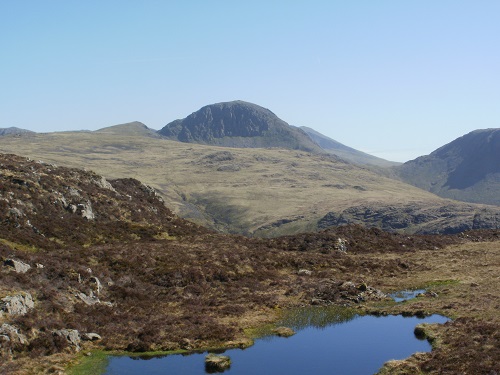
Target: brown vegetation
(256, 192)
(169, 284)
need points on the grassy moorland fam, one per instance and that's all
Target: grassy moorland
(167, 284)
(257, 192)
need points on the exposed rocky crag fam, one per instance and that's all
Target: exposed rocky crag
(466, 169)
(238, 124)
(413, 218)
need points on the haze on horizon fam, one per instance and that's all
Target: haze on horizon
(390, 78)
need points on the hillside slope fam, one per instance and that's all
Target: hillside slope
(258, 192)
(238, 124)
(134, 128)
(89, 264)
(466, 169)
(348, 153)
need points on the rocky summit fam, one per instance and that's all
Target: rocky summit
(238, 124)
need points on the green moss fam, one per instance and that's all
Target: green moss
(98, 361)
(94, 364)
(436, 283)
(18, 246)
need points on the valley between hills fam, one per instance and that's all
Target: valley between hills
(255, 191)
(127, 240)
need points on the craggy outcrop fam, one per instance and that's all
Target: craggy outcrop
(446, 219)
(238, 124)
(18, 304)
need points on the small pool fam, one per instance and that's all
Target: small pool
(405, 295)
(350, 345)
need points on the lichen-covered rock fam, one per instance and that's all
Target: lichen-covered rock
(85, 210)
(341, 245)
(18, 304)
(304, 272)
(96, 285)
(10, 333)
(90, 336)
(72, 336)
(217, 363)
(105, 184)
(19, 267)
(88, 300)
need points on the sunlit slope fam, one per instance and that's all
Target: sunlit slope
(249, 191)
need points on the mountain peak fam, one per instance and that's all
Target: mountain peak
(13, 131)
(238, 124)
(134, 128)
(465, 169)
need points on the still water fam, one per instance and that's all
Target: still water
(406, 295)
(327, 342)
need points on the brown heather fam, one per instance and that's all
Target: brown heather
(174, 285)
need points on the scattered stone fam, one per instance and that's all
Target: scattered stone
(19, 267)
(97, 284)
(341, 245)
(304, 272)
(10, 333)
(18, 304)
(85, 210)
(284, 331)
(218, 363)
(103, 183)
(38, 265)
(348, 285)
(91, 336)
(71, 335)
(88, 300)
(186, 344)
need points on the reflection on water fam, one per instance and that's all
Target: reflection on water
(405, 295)
(328, 341)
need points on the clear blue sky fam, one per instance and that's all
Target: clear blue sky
(393, 78)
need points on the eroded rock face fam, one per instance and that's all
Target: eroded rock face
(18, 304)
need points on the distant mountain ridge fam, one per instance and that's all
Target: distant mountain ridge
(466, 169)
(238, 124)
(13, 131)
(130, 128)
(348, 153)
